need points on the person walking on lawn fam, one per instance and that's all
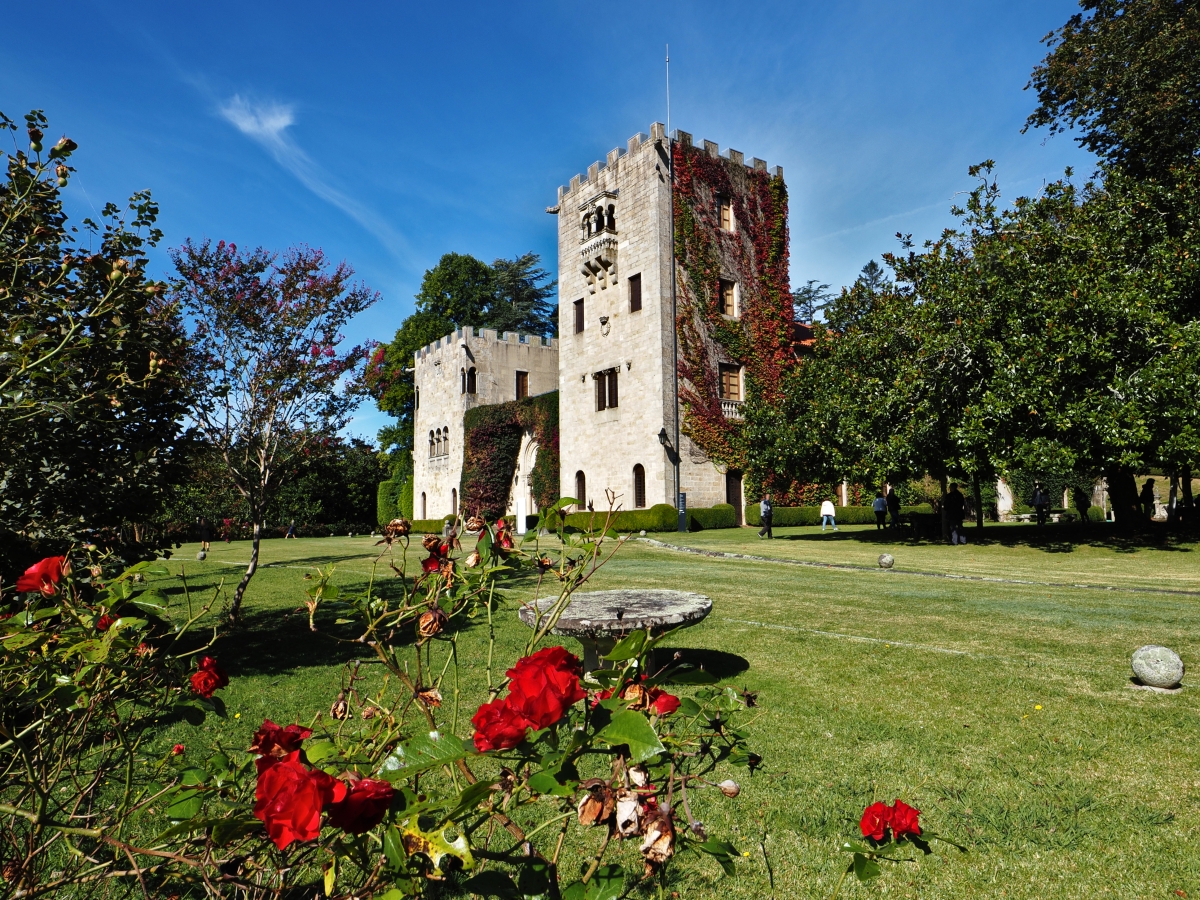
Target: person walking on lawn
(1041, 503)
(893, 505)
(956, 511)
(766, 511)
(880, 506)
(828, 514)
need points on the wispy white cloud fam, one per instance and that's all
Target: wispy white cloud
(267, 123)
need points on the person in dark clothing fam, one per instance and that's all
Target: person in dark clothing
(1041, 503)
(893, 505)
(1083, 502)
(205, 529)
(956, 510)
(766, 511)
(1147, 499)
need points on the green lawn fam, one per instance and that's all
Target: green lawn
(1001, 710)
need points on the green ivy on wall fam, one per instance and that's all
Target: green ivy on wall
(491, 444)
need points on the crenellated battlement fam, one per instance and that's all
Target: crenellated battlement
(658, 133)
(486, 335)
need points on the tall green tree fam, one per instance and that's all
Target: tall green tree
(1125, 74)
(809, 300)
(92, 393)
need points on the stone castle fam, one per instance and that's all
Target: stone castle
(614, 363)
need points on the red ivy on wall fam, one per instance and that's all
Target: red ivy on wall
(755, 255)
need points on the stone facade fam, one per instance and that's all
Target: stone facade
(454, 374)
(614, 228)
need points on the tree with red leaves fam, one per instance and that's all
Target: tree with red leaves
(266, 365)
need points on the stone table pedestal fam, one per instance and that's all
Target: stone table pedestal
(598, 619)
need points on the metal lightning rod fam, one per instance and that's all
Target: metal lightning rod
(679, 502)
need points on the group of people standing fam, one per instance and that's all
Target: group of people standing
(884, 506)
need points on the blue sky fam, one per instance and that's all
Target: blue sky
(391, 133)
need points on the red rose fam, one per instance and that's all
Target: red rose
(289, 798)
(363, 807)
(177, 750)
(904, 819)
(875, 821)
(104, 623)
(273, 743)
(542, 686)
(44, 576)
(208, 677)
(663, 703)
(498, 726)
(431, 564)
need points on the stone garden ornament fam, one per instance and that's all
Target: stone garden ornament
(1157, 667)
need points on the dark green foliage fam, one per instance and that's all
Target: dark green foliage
(492, 440)
(386, 507)
(808, 301)
(1125, 74)
(785, 516)
(92, 393)
(660, 517)
(1020, 482)
(430, 526)
(404, 498)
(720, 516)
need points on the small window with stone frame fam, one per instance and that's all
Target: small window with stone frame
(579, 317)
(724, 214)
(731, 382)
(635, 292)
(522, 385)
(728, 298)
(606, 389)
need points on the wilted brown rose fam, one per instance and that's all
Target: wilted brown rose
(472, 560)
(431, 623)
(639, 775)
(638, 698)
(369, 712)
(730, 788)
(597, 803)
(629, 813)
(431, 542)
(659, 843)
(431, 697)
(340, 709)
(544, 564)
(476, 523)
(447, 569)
(397, 528)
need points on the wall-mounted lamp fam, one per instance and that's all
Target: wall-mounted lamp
(662, 437)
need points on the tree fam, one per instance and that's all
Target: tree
(509, 295)
(92, 395)
(872, 277)
(810, 300)
(265, 358)
(1126, 74)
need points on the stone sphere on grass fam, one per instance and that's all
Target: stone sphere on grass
(1157, 666)
(201, 555)
(886, 560)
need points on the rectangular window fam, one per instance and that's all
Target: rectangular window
(635, 293)
(606, 389)
(725, 213)
(731, 383)
(728, 299)
(578, 316)
(522, 385)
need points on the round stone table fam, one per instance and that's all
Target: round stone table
(598, 619)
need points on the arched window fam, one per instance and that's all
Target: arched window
(445, 442)
(432, 446)
(454, 501)
(586, 226)
(639, 487)
(611, 218)
(580, 491)
(437, 442)
(424, 511)
(472, 381)
(599, 219)
(462, 376)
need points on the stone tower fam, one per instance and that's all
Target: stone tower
(617, 368)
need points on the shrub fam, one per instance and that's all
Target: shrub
(404, 498)
(786, 516)
(660, 517)
(720, 516)
(385, 502)
(430, 526)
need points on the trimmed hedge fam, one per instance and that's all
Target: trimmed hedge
(720, 516)
(385, 502)
(660, 517)
(785, 516)
(430, 526)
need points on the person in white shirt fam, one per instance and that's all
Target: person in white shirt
(827, 515)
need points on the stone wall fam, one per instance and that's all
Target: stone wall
(438, 377)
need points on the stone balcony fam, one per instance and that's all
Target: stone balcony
(732, 408)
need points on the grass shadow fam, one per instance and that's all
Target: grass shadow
(717, 663)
